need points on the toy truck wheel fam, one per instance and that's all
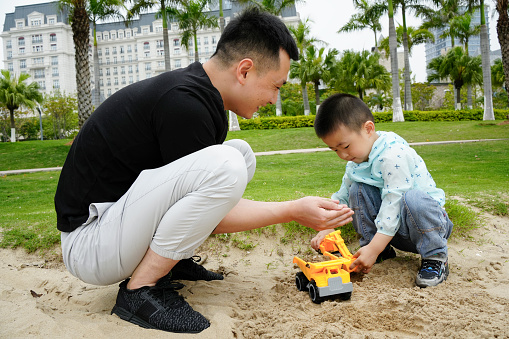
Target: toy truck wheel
(301, 281)
(313, 293)
(345, 296)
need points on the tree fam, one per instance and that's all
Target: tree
(303, 41)
(503, 36)
(461, 27)
(485, 56)
(498, 82)
(191, 18)
(61, 109)
(397, 111)
(101, 10)
(80, 26)
(319, 67)
(14, 92)
(139, 6)
(459, 67)
(368, 16)
(357, 72)
(439, 15)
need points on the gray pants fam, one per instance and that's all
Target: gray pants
(171, 209)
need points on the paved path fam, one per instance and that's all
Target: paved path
(306, 150)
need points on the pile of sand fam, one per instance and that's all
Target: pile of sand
(258, 297)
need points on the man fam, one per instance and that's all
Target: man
(149, 177)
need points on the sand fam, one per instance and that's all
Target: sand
(258, 298)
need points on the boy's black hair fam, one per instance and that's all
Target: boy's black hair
(257, 35)
(341, 110)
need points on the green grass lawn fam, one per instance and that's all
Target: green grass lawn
(476, 171)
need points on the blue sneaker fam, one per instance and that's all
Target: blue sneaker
(432, 272)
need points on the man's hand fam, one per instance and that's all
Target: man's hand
(320, 213)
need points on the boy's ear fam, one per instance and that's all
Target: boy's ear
(369, 126)
(243, 67)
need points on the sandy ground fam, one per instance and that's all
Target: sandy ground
(258, 298)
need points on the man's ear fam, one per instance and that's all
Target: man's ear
(243, 68)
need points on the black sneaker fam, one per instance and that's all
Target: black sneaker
(158, 307)
(432, 272)
(387, 253)
(188, 269)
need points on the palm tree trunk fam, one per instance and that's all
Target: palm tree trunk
(408, 84)
(81, 28)
(486, 69)
(305, 98)
(13, 126)
(97, 91)
(397, 111)
(279, 105)
(317, 95)
(503, 39)
(469, 96)
(166, 41)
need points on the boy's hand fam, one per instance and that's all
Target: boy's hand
(317, 240)
(366, 258)
(320, 213)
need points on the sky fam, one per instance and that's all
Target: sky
(326, 16)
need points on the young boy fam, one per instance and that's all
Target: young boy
(386, 183)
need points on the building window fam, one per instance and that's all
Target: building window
(146, 45)
(107, 51)
(122, 59)
(42, 84)
(129, 49)
(56, 84)
(177, 63)
(19, 24)
(159, 43)
(129, 58)
(10, 67)
(145, 31)
(21, 41)
(214, 40)
(123, 81)
(37, 39)
(176, 42)
(198, 41)
(108, 82)
(51, 21)
(107, 61)
(115, 70)
(120, 35)
(121, 49)
(128, 34)
(39, 73)
(109, 91)
(148, 66)
(54, 60)
(147, 54)
(114, 50)
(130, 79)
(22, 50)
(160, 52)
(130, 69)
(54, 71)
(114, 60)
(37, 48)
(9, 44)
(35, 22)
(159, 29)
(53, 47)
(160, 63)
(23, 64)
(9, 55)
(108, 71)
(176, 51)
(206, 40)
(116, 82)
(38, 61)
(122, 70)
(53, 37)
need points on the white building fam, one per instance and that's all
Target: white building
(37, 39)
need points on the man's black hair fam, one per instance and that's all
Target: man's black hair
(341, 110)
(257, 35)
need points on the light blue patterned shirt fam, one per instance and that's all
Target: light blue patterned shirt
(395, 168)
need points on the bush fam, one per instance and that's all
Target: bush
(308, 120)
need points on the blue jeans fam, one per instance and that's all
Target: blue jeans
(425, 226)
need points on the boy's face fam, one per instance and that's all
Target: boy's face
(352, 145)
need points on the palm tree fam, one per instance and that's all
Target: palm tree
(80, 26)
(191, 18)
(503, 36)
(357, 72)
(139, 6)
(14, 92)
(461, 28)
(397, 111)
(439, 15)
(498, 75)
(319, 67)
(459, 67)
(275, 7)
(101, 10)
(368, 16)
(486, 65)
(416, 36)
(301, 35)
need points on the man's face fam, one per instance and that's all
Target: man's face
(260, 90)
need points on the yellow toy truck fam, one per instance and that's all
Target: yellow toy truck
(327, 278)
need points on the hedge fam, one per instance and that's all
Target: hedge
(308, 120)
